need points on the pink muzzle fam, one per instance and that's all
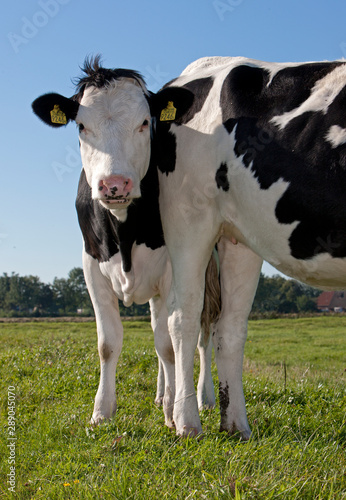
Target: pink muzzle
(115, 187)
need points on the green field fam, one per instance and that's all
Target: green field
(294, 383)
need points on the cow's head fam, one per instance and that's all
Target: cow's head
(114, 112)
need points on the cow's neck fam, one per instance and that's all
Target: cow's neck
(143, 221)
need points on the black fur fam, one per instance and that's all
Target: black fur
(245, 91)
(42, 106)
(221, 177)
(99, 228)
(104, 235)
(164, 150)
(188, 101)
(200, 88)
(97, 76)
(182, 99)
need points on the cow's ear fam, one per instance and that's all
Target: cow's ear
(55, 110)
(171, 104)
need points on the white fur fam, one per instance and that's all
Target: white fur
(112, 142)
(336, 136)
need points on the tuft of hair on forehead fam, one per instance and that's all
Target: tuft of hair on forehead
(97, 76)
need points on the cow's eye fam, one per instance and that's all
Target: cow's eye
(81, 127)
(144, 126)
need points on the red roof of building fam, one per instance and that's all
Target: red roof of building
(325, 299)
(330, 300)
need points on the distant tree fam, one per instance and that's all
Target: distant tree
(284, 296)
(134, 309)
(268, 290)
(306, 304)
(5, 283)
(289, 291)
(13, 299)
(71, 294)
(24, 295)
(79, 289)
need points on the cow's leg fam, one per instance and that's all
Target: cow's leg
(239, 270)
(109, 337)
(191, 222)
(160, 387)
(205, 387)
(189, 257)
(155, 306)
(164, 350)
(186, 303)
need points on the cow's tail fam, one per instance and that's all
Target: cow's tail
(212, 297)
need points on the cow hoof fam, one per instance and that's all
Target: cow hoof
(95, 421)
(170, 424)
(159, 401)
(233, 431)
(98, 420)
(188, 431)
(206, 406)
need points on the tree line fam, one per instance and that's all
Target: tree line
(29, 296)
(284, 296)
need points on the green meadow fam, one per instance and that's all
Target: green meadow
(294, 383)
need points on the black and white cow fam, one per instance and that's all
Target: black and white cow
(260, 157)
(247, 152)
(124, 254)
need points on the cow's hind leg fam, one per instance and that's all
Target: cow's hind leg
(160, 386)
(164, 350)
(109, 337)
(205, 387)
(239, 269)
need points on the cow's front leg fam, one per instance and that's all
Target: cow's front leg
(191, 225)
(185, 304)
(109, 337)
(164, 350)
(205, 387)
(239, 270)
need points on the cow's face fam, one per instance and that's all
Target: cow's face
(114, 134)
(113, 111)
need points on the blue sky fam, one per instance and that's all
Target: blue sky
(43, 43)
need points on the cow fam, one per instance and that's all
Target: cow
(250, 155)
(125, 258)
(260, 157)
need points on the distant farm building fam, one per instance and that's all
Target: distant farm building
(332, 301)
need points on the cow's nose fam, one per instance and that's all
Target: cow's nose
(115, 186)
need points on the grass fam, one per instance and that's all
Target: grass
(294, 383)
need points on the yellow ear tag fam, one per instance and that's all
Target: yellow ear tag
(58, 116)
(168, 113)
